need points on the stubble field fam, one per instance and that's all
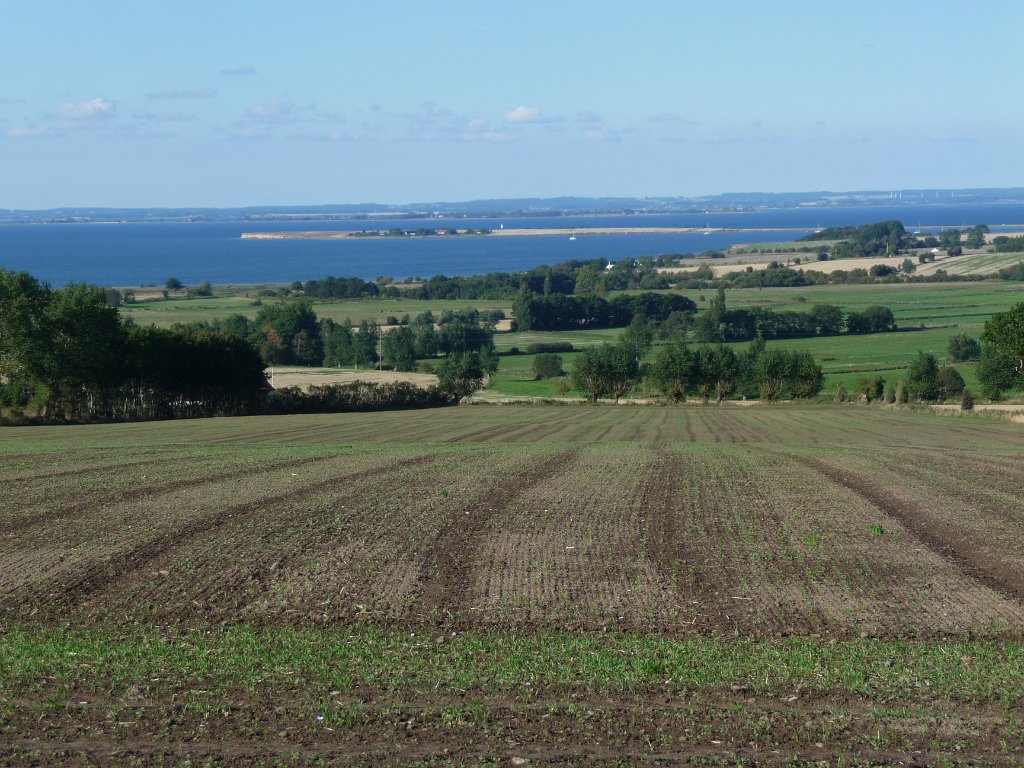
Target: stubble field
(569, 585)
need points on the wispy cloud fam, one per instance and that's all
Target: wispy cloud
(739, 137)
(260, 120)
(162, 117)
(94, 109)
(588, 118)
(174, 93)
(432, 122)
(524, 114)
(238, 71)
(602, 133)
(479, 129)
(274, 112)
(958, 137)
(333, 136)
(670, 117)
(31, 131)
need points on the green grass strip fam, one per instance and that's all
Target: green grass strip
(33, 659)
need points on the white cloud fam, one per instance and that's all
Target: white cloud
(238, 71)
(586, 116)
(94, 109)
(523, 114)
(174, 93)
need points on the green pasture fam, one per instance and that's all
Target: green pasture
(165, 313)
(964, 304)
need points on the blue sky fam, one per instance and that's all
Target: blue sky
(248, 103)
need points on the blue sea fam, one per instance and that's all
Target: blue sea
(146, 254)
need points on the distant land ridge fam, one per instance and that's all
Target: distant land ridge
(528, 206)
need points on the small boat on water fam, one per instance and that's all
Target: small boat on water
(572, 237)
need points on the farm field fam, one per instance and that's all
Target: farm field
(563, 585)
(927, 313)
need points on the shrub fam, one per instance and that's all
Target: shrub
(902, 396)
(962, 348)
(203, 289)
(872, 388)
(966, 400)
(358, 396)
(547, 365)
(950, 384)
(548, 346)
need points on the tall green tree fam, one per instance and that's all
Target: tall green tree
(461, 373)
(608, 370)
(673, 371)
(1005, 332)
(24, 326)
(923, 377)
(997, 372)
(289, 333)
(399, 349)
(85, 350)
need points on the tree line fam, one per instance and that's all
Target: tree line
(66, 355)
(680, 371)
(722, 324)
(290, 333)
(558, 312)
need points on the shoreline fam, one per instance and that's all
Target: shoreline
(1006, 229)
(547, 232)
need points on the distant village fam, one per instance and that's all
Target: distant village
(418, 232)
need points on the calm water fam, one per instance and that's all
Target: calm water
(140, 254)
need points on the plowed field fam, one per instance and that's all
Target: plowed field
(569, 585)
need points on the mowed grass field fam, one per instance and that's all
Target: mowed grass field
(472, 585)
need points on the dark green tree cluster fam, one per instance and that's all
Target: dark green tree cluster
(558, 312)
(881, 239)
(708, 371)
(66, 355)
(358, 396)
(574, 276)
(874, 319)
(1006, 244)
(608, 370)
(720, 324)
(927, 380)
(341, 288)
